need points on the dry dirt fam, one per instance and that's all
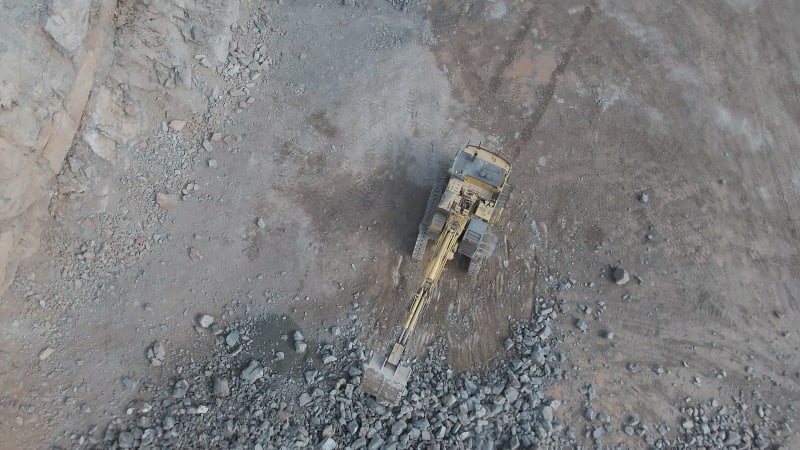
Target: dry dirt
(696, 105)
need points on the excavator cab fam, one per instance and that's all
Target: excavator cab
(465, 203)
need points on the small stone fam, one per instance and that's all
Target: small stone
(508, 344)
(511, 393)
(129, 383)
(300, 346)
(687, 424)
(547, 416)
(232, 338)
(177, 125)
(260, 223)
(399, 427)
(167, 201)
(221, 387)
(298, 336)
(470, 386)
(336, 331)
(46, 353)
(581, 325)
(168, 423)
(253, 372)
(147, 438)
(310, 376)
(375, 443)
(158, 350)
(212, 163)
(733, 439)
(180, 390)
(194, 253)
(597, 432)
(206, 320)
(280, 356)
(304, 399)
(327, 359)
(609, 335)
(327, 444)
(621, 276)
(125, 440)
(644, 198)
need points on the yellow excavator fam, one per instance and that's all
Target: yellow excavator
(465, 203)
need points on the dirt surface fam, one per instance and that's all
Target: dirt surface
(335, 148)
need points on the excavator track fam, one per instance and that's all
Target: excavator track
(423, 236)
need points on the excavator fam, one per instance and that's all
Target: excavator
(464, 205)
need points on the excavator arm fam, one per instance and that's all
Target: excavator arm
(386, 377)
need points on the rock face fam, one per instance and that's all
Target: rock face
(67, 22)
(60, 76)
(41, 103)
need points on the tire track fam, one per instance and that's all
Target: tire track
(552, 84)
(512, 50)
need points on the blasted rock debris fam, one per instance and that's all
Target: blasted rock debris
(227, 402)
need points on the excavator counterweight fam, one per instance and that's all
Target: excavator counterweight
(463, 206)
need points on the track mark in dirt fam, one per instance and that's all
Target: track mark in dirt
(319, 121)
(552, 84)
(705, 303)
(790, 221)
(512, 50)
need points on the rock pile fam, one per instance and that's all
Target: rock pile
(242, 403)
(221, 404)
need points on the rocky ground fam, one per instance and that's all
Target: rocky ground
(228, 238)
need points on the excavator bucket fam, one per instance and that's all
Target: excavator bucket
(386, 378)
